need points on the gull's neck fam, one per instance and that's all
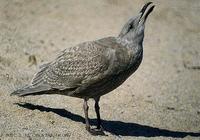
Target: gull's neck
(124, 42)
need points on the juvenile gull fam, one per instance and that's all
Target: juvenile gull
(92, 69)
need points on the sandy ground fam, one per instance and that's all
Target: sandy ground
(160, 101)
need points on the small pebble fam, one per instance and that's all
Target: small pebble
(42, 41)
(32, 60)
(170, 108)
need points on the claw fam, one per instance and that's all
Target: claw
(96, 131)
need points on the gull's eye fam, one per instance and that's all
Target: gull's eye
(130, 27)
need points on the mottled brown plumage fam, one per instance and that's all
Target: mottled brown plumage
(92, 69)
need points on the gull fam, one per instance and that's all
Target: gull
(94, 68)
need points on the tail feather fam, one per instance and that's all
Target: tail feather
(29, 90)
(40, 90)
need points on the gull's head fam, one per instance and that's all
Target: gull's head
(133, 30)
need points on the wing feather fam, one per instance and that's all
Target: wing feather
(85, 63)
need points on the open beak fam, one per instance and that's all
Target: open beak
(144, 12)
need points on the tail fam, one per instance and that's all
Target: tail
(29, 90)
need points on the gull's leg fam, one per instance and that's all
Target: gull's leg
(97, 108)
(85, 108)
(99, 130)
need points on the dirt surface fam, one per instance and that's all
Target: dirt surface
(160, 101)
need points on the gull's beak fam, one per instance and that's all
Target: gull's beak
(144, 12)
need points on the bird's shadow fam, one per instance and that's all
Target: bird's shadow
(115, 127)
